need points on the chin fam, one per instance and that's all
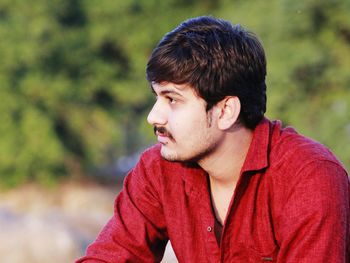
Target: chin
(171, 158)
(169, 155)
(174, 157)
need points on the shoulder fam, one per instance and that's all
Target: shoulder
(152, 159)
(303, 172)
(298, 162)
(151, 156)
(155, 168)
(291, 149)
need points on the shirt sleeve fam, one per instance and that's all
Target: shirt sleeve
(137, 231)
(314, 224)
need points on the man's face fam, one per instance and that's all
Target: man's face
(182, 126)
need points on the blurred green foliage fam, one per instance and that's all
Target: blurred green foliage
(73, 94)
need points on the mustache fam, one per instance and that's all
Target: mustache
(162, 130)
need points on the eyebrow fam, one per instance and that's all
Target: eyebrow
(173, 92)
(167, 91)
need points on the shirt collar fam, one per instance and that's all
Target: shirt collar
(257, 156)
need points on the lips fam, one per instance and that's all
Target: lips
(162, 134)
(162, 138)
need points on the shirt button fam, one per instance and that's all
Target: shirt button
(209, 228)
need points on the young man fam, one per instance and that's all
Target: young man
(224, 184)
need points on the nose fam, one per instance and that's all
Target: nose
(156, 116)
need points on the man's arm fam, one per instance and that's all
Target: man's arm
(314, 224)
(137, 231)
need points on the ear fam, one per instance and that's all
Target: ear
(229, 109)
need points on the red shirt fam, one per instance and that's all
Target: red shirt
(291, 204)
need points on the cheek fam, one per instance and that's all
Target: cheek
(188, 122)
(192, 128)
(181, 128)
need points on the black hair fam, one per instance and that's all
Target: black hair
(217, 59)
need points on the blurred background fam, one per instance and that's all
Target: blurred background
(74, 101)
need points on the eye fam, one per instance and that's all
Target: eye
(171, 100)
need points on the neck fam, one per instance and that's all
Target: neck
(224, 164)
